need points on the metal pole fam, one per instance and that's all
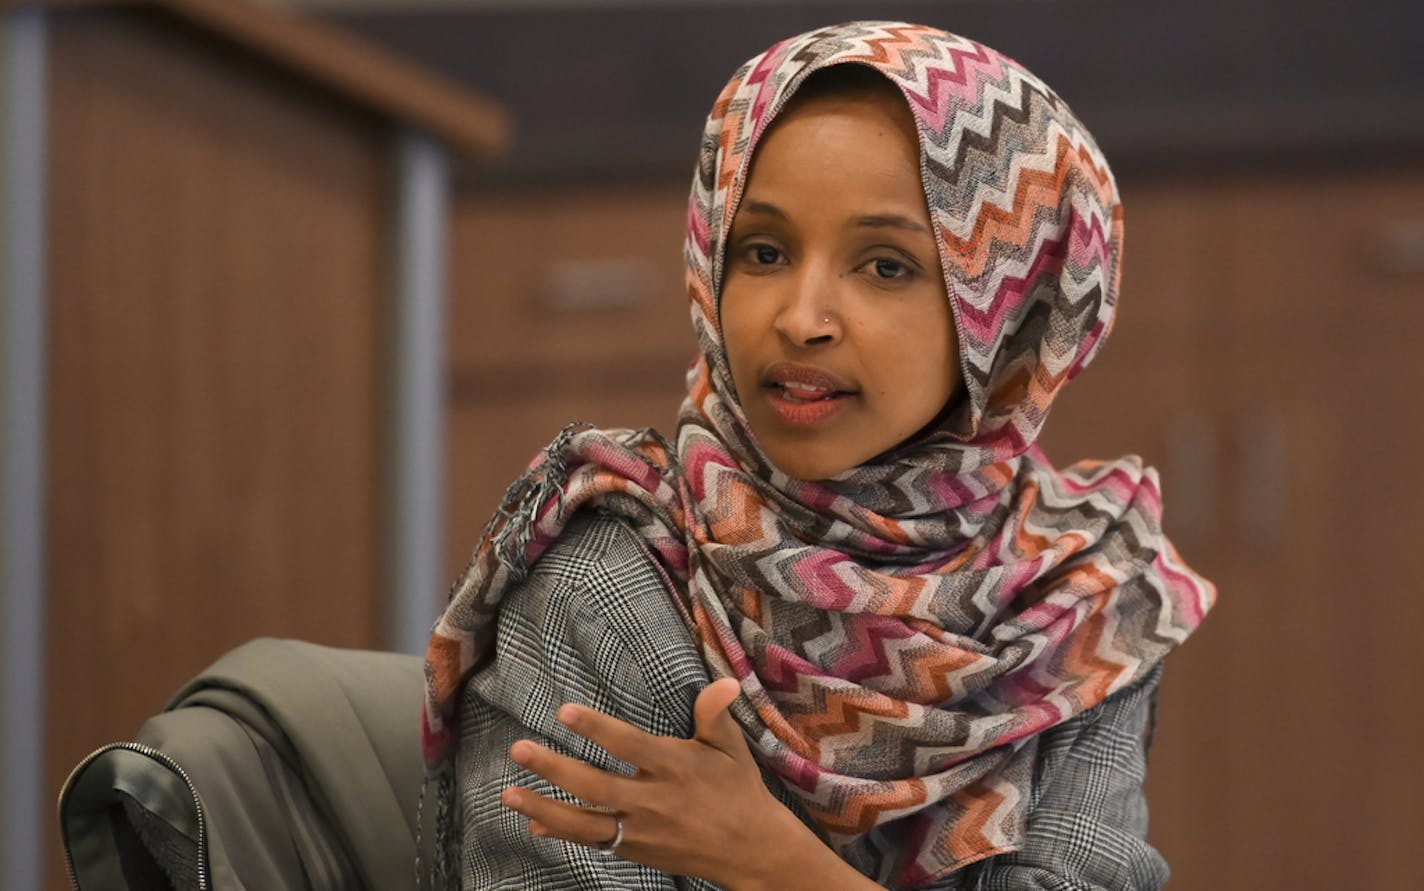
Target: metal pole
(416, 415)
(22, 398)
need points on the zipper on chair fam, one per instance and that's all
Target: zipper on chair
(161, 758)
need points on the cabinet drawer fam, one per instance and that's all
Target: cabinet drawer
(568, 276)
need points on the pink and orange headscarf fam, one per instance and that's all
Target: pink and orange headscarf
(903, 631)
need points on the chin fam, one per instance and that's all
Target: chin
(797, 463)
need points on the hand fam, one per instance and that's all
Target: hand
(694, 807)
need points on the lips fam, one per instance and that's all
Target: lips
(806, 381)
(804, 394)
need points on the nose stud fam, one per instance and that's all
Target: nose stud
(825, 320)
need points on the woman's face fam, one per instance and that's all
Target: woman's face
(834, 314)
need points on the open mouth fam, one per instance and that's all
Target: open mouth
(802, 395)
(793, 391)
(803, 407)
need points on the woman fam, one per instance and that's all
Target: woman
(905, 648)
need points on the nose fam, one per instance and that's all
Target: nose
(807, 315)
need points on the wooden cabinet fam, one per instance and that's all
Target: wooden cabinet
(215, 289)
(1265, 363)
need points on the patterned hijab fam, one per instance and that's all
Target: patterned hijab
(904, 630)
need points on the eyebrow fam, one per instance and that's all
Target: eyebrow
(872, 221)
(763, 207)
(890, 221)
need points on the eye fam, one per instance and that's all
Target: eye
(758, 257)
(764, 254)
(888, 269)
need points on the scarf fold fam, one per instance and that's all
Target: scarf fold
(903, 631)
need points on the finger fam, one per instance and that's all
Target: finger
(618, 738)
(583, 781)
(714, 725)
(559, 819)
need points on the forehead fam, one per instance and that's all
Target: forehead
(847, 90)
(832, 150)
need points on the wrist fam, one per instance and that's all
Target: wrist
(779, 846)
(786, 855)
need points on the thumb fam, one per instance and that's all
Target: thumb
(714, 725)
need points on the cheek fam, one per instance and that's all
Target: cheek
(940, 370)
(741, 308)
(919, 370)
(738, 331)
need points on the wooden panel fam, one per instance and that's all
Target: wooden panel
(1325, 343)
(569, 275)
(1266, 341)
(214, 283)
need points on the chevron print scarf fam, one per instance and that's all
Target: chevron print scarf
(904, 630)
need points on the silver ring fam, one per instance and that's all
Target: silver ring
(610, 848)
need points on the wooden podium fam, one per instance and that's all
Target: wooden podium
(231, 235)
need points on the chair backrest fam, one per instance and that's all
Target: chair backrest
(284, 765)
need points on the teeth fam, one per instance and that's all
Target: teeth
(805, 388)
(805, 392)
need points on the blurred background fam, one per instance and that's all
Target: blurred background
(292, 290)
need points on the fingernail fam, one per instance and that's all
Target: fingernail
(510, 797)
(520, 751)
(537, 828)
(567, 713)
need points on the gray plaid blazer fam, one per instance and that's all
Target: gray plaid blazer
(594, 624)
